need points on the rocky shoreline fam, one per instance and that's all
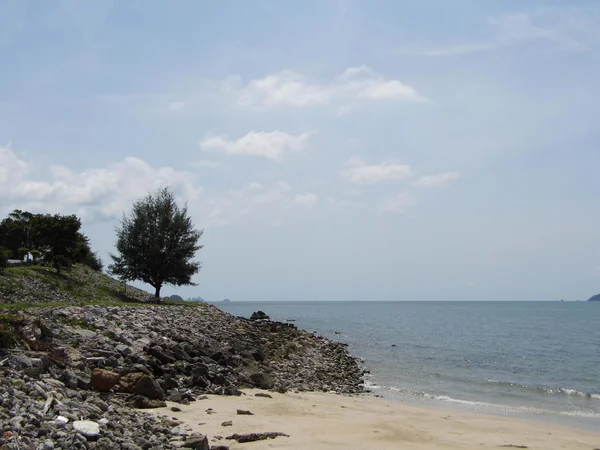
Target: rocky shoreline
(74, 367)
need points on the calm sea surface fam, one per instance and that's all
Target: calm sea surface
(538, 359)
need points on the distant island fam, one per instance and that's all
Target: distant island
(595, 298)
(226, 300)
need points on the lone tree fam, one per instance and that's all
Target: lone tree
(156, 243)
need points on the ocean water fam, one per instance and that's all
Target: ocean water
(534, 359)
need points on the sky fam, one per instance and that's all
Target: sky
(329, 149)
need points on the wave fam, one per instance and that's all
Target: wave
(547, 390)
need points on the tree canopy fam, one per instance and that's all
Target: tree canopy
(156, 243)
(56, 239)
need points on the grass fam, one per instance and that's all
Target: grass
(78, 286)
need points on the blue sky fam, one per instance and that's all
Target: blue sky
(331, 149)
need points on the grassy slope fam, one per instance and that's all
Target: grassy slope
(26, 287)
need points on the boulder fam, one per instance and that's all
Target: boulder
(149, 387)
(128, 381)
(104, 380)
(259, 315)
(199, 442)
(262, 380)
(141, 402)
(88, 428)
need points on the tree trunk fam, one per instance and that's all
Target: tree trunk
(157, 294)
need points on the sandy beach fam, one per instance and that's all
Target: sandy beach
(328, 421)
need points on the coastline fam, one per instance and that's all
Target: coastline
(332, 421)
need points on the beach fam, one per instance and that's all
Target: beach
(329, 421)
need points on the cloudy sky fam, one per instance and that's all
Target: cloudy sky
(330, 149)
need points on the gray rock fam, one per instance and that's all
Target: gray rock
(88, 428)
(197, 442)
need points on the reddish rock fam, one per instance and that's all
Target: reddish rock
(104, 380)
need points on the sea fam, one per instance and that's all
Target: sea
(538, 360)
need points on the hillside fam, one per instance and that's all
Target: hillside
(595, 298)
(77, 347)
(32, 286)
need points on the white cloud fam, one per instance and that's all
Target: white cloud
(397, 203)
(270, 145)
(436, 181)
(289, 88)
(309, 199)
(360, 172)
(11, 167)
(104, 193)
(176, 106)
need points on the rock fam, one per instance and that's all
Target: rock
(175, 409)
(243, 412)
(128, 381)
(104, 380)
(262, 380)
(88, 428)
(141, 402)
(148, 387)
(252, 437)
(263, 394)
(62, 420)
(197, 442)
(219, 447)
(227, 423)
(259, 315)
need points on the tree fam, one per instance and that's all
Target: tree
(156, 243)
(58, 239)
(4, 254)
(15, 232)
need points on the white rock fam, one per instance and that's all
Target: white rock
(62, 420)
(103, 421)
(87, 427)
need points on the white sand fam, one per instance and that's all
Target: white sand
(327, 421)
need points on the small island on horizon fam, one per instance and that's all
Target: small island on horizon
(226, 300)
(595, 298)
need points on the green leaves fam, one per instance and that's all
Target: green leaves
(156, 243)
(55, 239)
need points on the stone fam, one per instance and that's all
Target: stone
(262, 380)
(88, 428)
(227, 423)
(148, 387)
(128, 381)
(175, 409)
(61, 420)
(263, 394)
(197, 442)
(141, 402)
(252, 437)
(104, 380)
(243, 412)
(259, 315)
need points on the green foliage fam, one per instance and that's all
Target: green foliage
(59, 239)
(15, 232)
(55, 239)
(4, 254)
(156, 243)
